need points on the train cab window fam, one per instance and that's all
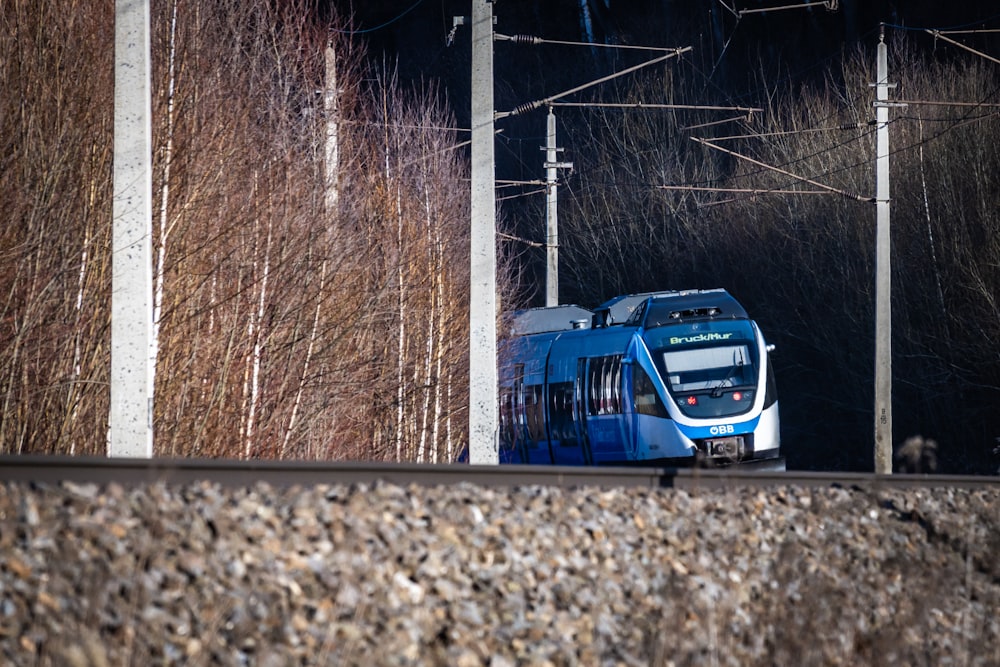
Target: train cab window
(695, 369)
(771, 388)
(647, 401)
(714, 381)
(635, 318)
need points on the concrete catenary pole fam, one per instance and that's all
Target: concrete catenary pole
(883, 291)
(130, 419)
(483, 406)
(552, 211)
(551, 214)
(331, 107)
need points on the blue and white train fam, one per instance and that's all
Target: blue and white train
(665, 378)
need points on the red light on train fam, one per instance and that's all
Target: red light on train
(737, 395)
(692, 400)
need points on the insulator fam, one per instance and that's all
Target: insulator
(524, 108)
(526, 39)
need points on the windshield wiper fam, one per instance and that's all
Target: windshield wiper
(724, 383)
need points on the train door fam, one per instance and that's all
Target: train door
(604, 422)
(563, 430)
(537, 447)
(636, 394)
(568, 417)
(628, 424)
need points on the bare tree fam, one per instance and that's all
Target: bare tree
(55, 127)
(290, 322)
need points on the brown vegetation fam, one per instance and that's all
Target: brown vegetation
(310, 250)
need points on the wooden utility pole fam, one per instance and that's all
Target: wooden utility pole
(130, 419)
(883, 274)
(483, 404)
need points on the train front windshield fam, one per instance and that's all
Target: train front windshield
(709, 371)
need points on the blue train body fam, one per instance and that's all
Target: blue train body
(660, 378)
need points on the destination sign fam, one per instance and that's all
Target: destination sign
(710, 337)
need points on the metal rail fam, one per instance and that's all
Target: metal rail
(235, 473)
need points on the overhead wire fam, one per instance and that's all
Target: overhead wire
(388, 23)
(953, 124)
(725, 47)
(646, 105)
(671, 52)
(988, 31)
(785, 172)
(533, 40)
(708, 78)
(940, 35)
(521, 194)
(522, 38)
(829, 4)
(787, 133)
(542, 102)
(762, 170)
(958, 27)
(831, 172)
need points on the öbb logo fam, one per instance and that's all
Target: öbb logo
(722, 430)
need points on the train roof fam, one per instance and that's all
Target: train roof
(666, 308)
(549, 319)
(677, 305)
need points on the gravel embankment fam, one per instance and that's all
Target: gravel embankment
(461, 575)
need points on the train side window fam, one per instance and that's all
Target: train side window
(561, 418)
(507, 425)
(615, 385)
(604, 382)
(771, 390)
(594, 386)
(512, 414)
(647, 401)
(533, 408)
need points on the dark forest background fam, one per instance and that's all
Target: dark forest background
(311, 212)
(802, 264)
